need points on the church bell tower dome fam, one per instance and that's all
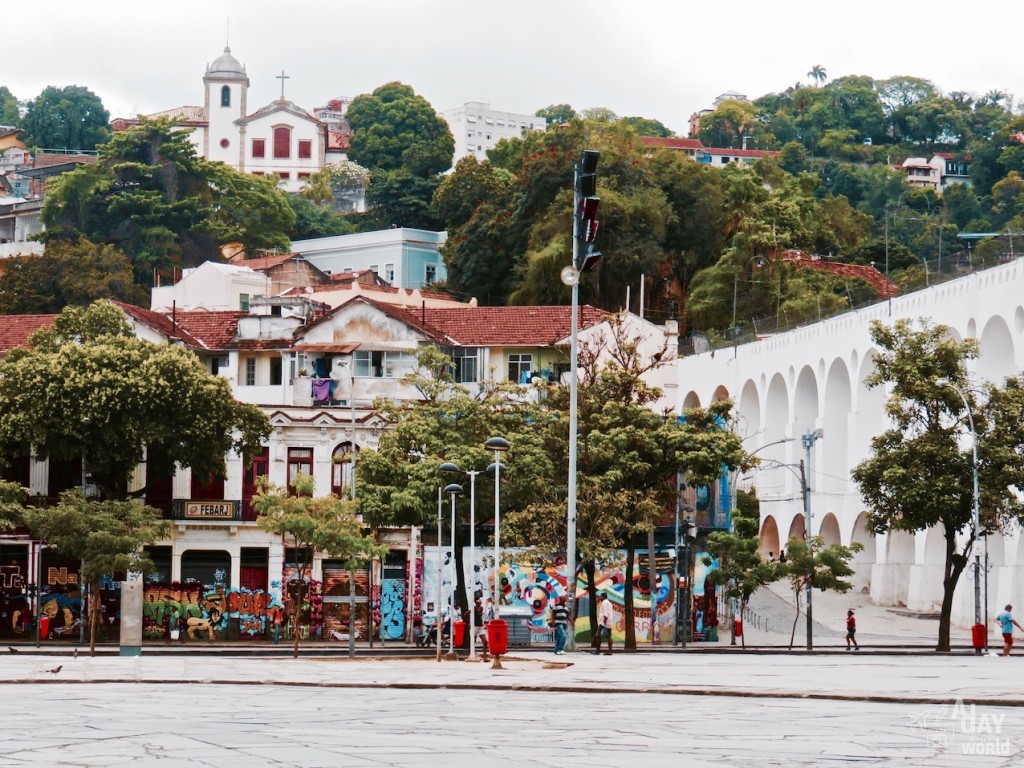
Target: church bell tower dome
(226, 65)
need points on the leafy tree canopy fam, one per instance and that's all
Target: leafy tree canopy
(118, 395)
(68, 273)
(396, 130)
(10, 114)
(919, 472)
(311, 523)
(71, 117)
(153, 197)
(556, 114)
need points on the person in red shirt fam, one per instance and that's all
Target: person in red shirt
(851, 630)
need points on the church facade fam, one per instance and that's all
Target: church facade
(280, 138)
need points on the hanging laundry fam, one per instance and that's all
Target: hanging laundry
(322, 390)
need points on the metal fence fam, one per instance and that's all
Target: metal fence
(915, 278)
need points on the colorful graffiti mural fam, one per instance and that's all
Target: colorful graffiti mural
(201, 613)
(525, 585)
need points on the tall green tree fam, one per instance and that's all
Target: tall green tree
(393, 129)
(556, 114)
(68, 273)
(12, 497)
(152, 196)
(72, 117)
(739, 569)
(312, 524)
(824, 568)
(108, 537)
(398, 483)
(117, 396)
(10, 114)
(919, 472)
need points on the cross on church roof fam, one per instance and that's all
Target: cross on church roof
(282, 77)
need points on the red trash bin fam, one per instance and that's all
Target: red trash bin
(739, 627)
(44, 626)
(979, 637)
(460, 632)
(497, 636)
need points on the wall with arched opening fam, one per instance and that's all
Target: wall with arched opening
(829, 530)
(891, 582)
(996, 357)
(748, 410)
(769, 538)
(834, 476)
(797, 529)
(864, 561)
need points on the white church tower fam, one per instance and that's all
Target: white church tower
(227, 87)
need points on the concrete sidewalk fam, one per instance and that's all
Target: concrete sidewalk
(848, 676)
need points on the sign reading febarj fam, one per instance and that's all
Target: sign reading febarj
(209, 510)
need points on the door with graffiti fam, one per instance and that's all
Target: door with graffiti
(392, 596)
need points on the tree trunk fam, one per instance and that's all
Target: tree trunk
(743, 623)
(460, 601)
(589, 569)
(954, 568)
(627, 598)
(94, 615)
(792, 635)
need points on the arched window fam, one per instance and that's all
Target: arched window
(341, 470)
(283, 142)
(225, 96)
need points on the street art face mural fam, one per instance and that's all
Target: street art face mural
(524, 585)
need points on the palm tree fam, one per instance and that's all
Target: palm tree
(817, 74)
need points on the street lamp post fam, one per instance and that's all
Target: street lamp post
(808, 440)
(437, 597)
(455, 490)
(454, 468)
(976, 517)
(499, 445)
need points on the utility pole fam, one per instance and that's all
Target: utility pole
(584, 259)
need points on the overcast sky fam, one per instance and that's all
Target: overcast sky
(656, 58)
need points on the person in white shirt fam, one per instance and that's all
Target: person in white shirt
(604, 624)
(429, 625)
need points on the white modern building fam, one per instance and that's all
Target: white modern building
(788, 385)
(477, 128)
(403, 257)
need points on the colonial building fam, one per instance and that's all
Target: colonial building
(315, 372)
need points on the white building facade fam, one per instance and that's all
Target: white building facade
(477, 128)
(814, 378)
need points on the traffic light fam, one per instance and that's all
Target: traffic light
(586, 172)
(587, 203)
(588, 218)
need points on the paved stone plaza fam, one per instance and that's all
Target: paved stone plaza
(652, 709)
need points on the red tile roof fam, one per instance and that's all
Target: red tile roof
(214, 330)
(265, 262)
(741, 152)
(507, 326)
(884, 287)
(15, 329)
(671, 142)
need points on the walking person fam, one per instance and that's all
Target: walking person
(481, 615)
(560, 618)
(604, 624)
(1006, 622)
(851, 630)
